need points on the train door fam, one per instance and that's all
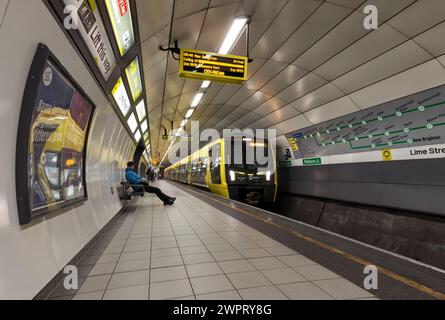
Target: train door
(215, 166)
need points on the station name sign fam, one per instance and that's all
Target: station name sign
(203, 65)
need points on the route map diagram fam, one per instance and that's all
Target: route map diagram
(416, 120)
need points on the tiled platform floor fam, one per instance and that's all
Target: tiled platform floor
(194, 251)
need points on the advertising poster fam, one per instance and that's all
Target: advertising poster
(60, 120)
(92, 30)
(120, 16)
(120, 95)
(134, 79)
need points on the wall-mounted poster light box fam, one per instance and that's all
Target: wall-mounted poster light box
(132, 123)
(121, 97)
(140, 109)
(138, 136)
(134, 78)
(119, 12)
(144, 126)
(92, 31)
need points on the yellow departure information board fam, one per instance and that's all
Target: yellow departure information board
(202, 65)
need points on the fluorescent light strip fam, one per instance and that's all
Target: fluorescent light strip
(197, 99)
(232, 37)
(205, 84)
(189, 113)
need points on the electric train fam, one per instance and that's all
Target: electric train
(242, 169)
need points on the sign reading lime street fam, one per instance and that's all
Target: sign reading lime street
(202, 65)
(405, 129)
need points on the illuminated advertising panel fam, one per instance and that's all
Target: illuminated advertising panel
(121, 97)
(119, 12)
(144, 126)
(51, 142)
(138, 136)
(134, 79)
(92, 30)
(140, 109)
(132, 123)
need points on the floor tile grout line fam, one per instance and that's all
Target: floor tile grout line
(115, 267)
(151, 248)
(309, 281)
(109, 229)
(182, 257)
(185, 216)
(260, 271)
(230, 281)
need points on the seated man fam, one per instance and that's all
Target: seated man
(136, 181)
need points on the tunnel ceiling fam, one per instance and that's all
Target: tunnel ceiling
(313, 60)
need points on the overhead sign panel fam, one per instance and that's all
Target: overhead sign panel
(120, 16)
(92, 31)
(134, 79)
(203, 65)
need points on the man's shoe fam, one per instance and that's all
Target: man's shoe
(169, 203)
(173, 199)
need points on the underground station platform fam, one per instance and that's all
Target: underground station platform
(210, 248)
(222, 158)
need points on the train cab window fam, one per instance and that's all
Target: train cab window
(215, 163)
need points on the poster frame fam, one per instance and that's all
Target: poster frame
(25, 212)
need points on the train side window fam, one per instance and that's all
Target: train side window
(204, 165)
(215, 163)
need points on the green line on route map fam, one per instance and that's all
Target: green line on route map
(391, 116)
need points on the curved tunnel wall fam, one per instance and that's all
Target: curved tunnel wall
(32, 256)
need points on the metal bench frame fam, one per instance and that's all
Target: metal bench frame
(129, 192)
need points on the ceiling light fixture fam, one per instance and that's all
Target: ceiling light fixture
(205, 84)
(197, 99)
(189, 113)
(234, 34)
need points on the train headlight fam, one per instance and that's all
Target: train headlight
(268, 175)
(232, 175)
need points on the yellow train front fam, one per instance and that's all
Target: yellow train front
(242, 169)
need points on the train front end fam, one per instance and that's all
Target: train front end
(250, 170)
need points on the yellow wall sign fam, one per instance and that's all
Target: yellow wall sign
(293, 144)
(203, 65)
(387, 155)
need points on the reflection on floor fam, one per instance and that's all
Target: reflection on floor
(194, 251)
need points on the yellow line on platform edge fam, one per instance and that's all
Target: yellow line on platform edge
(393, 275)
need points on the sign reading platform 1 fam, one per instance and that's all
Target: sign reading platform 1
(202, 65)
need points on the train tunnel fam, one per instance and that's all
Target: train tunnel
(222, 150)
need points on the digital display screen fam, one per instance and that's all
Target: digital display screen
(134, 79)
(202, 65)
(120, 15)
(121, 97)
(92, 30)
(60, 120)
